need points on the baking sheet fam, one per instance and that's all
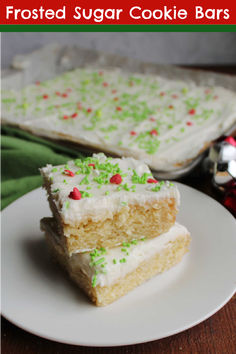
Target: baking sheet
(55, 59)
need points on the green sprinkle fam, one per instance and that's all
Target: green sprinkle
(65, 181)
(126, 244)
(118, 188)
(134, 242)
(124, 203)
(85, 180)
(103, 250)
(86, 194)
(143, 238)
(94, 281)
(54, 169)
(67, 204)
(123, 260)
(55, 190)
(99, 261)
(123, 249)
(182, 130)
(88, 188)
(107, 193)
(156, 189)
(171, 184)
(114, 261)
(99, 187)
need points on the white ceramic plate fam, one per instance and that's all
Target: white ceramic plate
(39, 298)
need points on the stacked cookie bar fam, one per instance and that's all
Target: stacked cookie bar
(113, 224)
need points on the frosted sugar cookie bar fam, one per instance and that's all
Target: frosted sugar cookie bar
(102, 202)
(107, 274)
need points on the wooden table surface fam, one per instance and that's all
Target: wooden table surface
(215, 335)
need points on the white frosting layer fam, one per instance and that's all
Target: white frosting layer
(104, 199)
(102, 109)
(138, 253)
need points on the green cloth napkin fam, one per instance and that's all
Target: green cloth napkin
(22, 154)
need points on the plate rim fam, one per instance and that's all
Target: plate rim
(124, 343)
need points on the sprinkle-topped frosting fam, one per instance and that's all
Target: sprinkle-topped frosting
(105, 266)
(98, 187)
(161, 121)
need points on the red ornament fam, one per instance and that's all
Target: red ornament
(192, 111)
(133, 132)
(230, 200)
(92, 164)
(230, 140)
(69, 173)
(45, 97)
(64, 95)
(154, 132)
(74, 115)
(152, 180)
(75, 194)
(116, 179)
(189, 123)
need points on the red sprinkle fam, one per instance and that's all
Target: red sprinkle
(57, 106)
(114, 91)
(189, 123)
(207, 91)
(65, 117)
(152, 180)
(105, 84)
(89, 110)
(119, 108)
(133, 132)
(115, 98)
(231, 140)
(64, 95)
(162, 94)
(192, 111)
(215, 97)
(154, 132)
(58, 93)
(37, 83)
(171, 106)
(69, 173)
(116, 179)
(74, 115)
(131, 83)
(152, 119)
(76, 195)
(45, 97)
(100, 73)
(174, 96)
(79, 105)
(69, 89)
(92, 164)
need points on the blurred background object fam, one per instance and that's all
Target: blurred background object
(165, 48)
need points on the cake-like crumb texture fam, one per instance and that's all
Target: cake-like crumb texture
(107, 274)
(116, 198)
